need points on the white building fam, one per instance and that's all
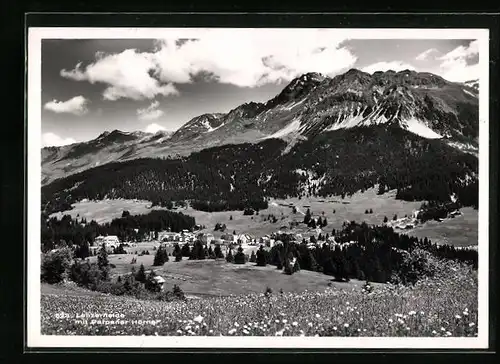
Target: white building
(111, 241)
(160, 281)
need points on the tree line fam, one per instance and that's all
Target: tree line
(74, 231)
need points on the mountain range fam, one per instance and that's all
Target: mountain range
(423, 104)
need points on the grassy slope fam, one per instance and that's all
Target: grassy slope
(214, 278)
(442, 306)
(460, 231)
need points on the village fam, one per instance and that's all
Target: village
(232, 240)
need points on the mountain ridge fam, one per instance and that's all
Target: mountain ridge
(422, 103)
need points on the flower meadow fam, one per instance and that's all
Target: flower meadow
(441, 306)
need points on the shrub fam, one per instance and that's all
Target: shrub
(86, 274)
(288, 268)
(367, 287)
(178, 292)
(416, 265)
(248, 211)
(268, 292)
(55, 266)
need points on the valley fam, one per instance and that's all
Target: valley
(313, 196)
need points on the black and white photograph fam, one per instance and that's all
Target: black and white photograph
(258, 187)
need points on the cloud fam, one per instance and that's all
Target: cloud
(53, 140)
(151, 112)
(77, 106)
(386, 66)
(127, 75)
(154, 128)
(249, 59)
(457, 64)
(246, 58)
(425, 54)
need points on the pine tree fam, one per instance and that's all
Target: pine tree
(253, 257)
(261, 257)
(141, 274)
(160, 257)
(177, 250)
(229, 257)
(307, 217)
(150, 283)
(186, 251)
(278, 261)
(239, 257)
(103, 262)
(296, 266)
(395, 217)
(218, 252)
(385, 219)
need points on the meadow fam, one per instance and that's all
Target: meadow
(445, 305)
(459, 231)
(203, 278)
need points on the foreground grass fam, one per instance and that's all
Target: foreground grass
(445, 305)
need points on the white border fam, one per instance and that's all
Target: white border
(35, 339)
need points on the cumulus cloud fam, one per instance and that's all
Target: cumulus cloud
(151, 112)
(426, 54)
(457, 65)
(154, 128)
(127, 75)
(386, 66)
(243, 58)
(249, 59)
(53, 140)
(77, 106)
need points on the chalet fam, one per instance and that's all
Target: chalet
(94, 249)
(242, 239)
(160, 281)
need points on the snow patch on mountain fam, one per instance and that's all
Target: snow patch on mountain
(418, 127)
(294, 104)
(469, 93)
(347, 121)
(290, 128)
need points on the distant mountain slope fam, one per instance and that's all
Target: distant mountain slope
(236, 176)
(312, 104)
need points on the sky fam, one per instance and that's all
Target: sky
(94, 85)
